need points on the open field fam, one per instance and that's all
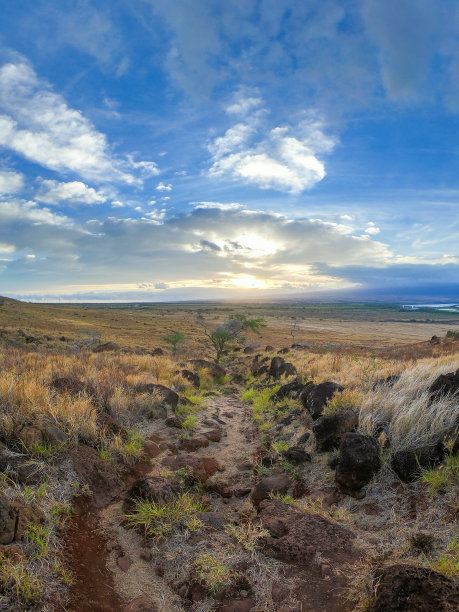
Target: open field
(144, 325)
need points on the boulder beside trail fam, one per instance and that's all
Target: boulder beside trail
(329, 429)
(271, 485)
(315, 397)
(15, 517)
(21, 468)
(409, 463)
(297, 537)
(279, 367)
(445, 384)
(404, 588)
(216, 370)
(99, 475)
(358, 462)
(152, 488)
(291, 390)
(168, 398)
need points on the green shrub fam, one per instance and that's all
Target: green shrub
(159, 520)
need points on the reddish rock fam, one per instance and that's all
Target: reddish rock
(278, 483)
(298, 537)
(124, 563)
(201, 468)
(237, 605)
(192, 444)
(214, 435)
(99, 475)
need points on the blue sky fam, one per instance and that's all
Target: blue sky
(159, 150)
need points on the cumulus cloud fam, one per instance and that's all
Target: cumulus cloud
(285, 159)
(162, 187)
(74, 192)
(37, 124)
(10, 182)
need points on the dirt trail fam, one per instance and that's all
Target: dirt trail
(111, 565)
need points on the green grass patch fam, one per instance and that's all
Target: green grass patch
(190, 423)
(133, 446)
(448, 562)
(264, 410)
(18, 582)
(159, 520)
(443, 478)
(212, 572)
(38, 536)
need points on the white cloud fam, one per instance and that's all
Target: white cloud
(286, 159)
(244, 101)
(10, 182)
(38, 124)
(117, 204)
(74, 192)
(162, 187)
(372, 229)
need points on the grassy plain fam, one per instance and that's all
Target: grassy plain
(356, 326)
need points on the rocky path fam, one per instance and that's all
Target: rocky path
(295, 564)
(114, 568)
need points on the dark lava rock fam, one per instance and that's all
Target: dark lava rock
(173, 421)
(279, 367)
(192, 377)
(303, 438)
(291, 389)
(388, 381)
(330, 429)
(152, 488)
(157, 352)
(169, 398)
(20, 467)
(296, 455)
(435, 340)
(269, 348)
(107, 346)
(358, 461)
(277, 483)
(217, 371)
(296, 537)
(445, 384)
(403, 588)
(409, 463)
(315, 397)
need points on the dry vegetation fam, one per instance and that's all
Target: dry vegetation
(100, 404)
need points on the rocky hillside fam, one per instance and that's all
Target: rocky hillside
(279, 480)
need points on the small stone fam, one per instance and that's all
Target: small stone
(124, 563)
(146, 555)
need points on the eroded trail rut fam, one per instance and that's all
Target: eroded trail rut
(113, 569)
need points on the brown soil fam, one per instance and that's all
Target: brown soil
(93, 586)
